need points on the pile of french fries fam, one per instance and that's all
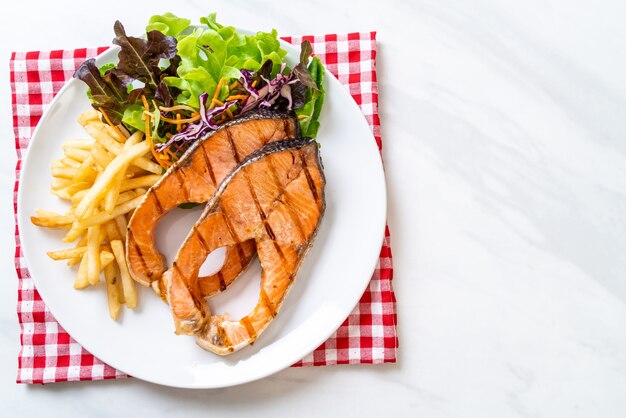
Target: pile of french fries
(104, 179)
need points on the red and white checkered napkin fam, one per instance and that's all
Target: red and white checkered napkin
(49, 354)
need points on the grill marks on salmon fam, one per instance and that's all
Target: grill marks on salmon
(275, 199)
(194, 179)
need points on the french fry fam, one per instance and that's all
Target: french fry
(58, 184)
(60, 221)
(102, 134)
(93, 249)
(47, 213)
(80, 144)
(106, 258)
(104, 137)
(76, 154)
(67, 254)
(86, 171)
(81, 277)
(79, 227)
(103, 181)
(99, 130)
(122, 225)
(105, 178)
(101, 217)
(89, 116)
(112, 232)
(74, 232)
(148, 165)
(57, 164)
(69, 162)
(120, 290)
(78, 196)
(113, 293)
(73, 188)
(68, 192)
(133, 171)
(144, 181)
(128, 285)
(110, 198)
(82, 242)
(126, 196)
(64, 172)
(73, 261)
(134, 139)
(114, 133)
(62, 193)
(82, 280)
(101, 156)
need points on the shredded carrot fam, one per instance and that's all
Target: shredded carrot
(174, 121)
(155, 105)
(177, 107)
(178, 123)
(217, 92)
(218, 88)
(237, 97)
(234, 85)
(145, 103)
(302, 116)
(171, 154)
(148, 137)
(230, 114)
(215, 102)
(106, 117)
(254, 83)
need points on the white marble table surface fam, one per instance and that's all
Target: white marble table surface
(505, 142)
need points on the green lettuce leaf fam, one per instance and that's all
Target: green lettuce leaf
(215, 52)
(168, 24)
(309, 114)
(133, 117)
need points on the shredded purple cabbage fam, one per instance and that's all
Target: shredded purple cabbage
(193, 131)
(246, 81)
(266, 96)
(263, 98)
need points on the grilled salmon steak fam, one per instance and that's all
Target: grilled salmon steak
(273, 198)
(195, 178)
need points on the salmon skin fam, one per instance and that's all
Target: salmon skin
(194, 178)
(274, 198)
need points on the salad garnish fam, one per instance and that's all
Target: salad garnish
(180, 82)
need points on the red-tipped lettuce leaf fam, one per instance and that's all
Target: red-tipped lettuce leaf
(139, 58)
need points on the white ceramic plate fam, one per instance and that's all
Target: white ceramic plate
(142, 342)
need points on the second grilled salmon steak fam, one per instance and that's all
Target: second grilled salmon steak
(274, 198)
(194, 179)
